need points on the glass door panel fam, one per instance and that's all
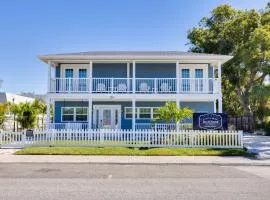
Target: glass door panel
(69, 79)
(198, 80)
(107, 118)
(185, 80)
(82, 79)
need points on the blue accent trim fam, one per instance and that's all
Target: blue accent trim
(155, 70)
(206, 107)
(109, 70)
(127, 123)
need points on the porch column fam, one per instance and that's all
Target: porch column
(128, 76)
(49, 76)
(177, 77)
(178, 106)
(90, 76)
(134, 77)
(215, 105)
(48, 106)
(220, 109)
(219, 77)
(53, 110)
(133, 114)
(90, 106)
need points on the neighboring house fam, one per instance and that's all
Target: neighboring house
(12, 98)
(123, 89)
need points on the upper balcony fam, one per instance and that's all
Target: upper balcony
(136, 85)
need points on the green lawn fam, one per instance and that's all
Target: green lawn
(121, 151)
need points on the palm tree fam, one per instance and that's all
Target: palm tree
(3, 112)
(14, 109)
(27, 115)
(41, 109)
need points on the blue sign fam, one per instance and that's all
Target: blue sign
(210, 121)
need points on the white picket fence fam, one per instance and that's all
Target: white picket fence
(119, 137)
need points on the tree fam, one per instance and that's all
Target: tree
(3, 113)
(171, 113)
(41, 109)
(245, 34)
(14, 109)
(27, 115)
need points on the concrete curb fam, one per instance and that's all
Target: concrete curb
(115, 163)
(135, 160)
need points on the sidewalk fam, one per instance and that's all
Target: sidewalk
(259, 145)
(7, 157)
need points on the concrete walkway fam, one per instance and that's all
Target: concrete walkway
(259, 145)
(7, 157)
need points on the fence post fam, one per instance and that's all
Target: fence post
(52, 136)
(102, 135)
(23, 138)
(241, 138)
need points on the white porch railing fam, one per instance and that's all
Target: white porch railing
(128, 138)
(67, 126)
(142, 85)
(163, 126)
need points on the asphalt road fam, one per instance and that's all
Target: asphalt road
(95, 181)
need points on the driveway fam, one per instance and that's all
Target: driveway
(259, 145)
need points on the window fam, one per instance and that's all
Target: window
(67, 114)
(74, 114)
(144, 113)
(128, 112)
(155, 113)
(81, 114)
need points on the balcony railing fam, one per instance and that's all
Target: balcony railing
(142, 85)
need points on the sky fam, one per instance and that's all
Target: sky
(34, 27)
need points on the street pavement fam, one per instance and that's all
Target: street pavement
(127, 181)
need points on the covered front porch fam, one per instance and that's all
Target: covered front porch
(132, 114)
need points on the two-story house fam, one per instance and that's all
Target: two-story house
(123, 89)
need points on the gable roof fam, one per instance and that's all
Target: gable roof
(136, 55)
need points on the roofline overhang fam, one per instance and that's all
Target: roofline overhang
(56, 58)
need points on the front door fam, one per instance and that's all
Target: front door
(107, 116)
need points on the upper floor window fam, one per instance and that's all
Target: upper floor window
(82, 73)
(198, 73)
(185, 73)
(69, 73)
